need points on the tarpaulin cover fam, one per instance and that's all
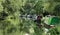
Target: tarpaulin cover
(52, 20)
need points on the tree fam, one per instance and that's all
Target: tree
(9, 14)
(57, 9)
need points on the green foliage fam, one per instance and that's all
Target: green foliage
(57, 0)
(10, 22)
(54, 31)
(57, 9)
(39, 7)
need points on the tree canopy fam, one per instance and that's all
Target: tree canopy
(12, 24)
